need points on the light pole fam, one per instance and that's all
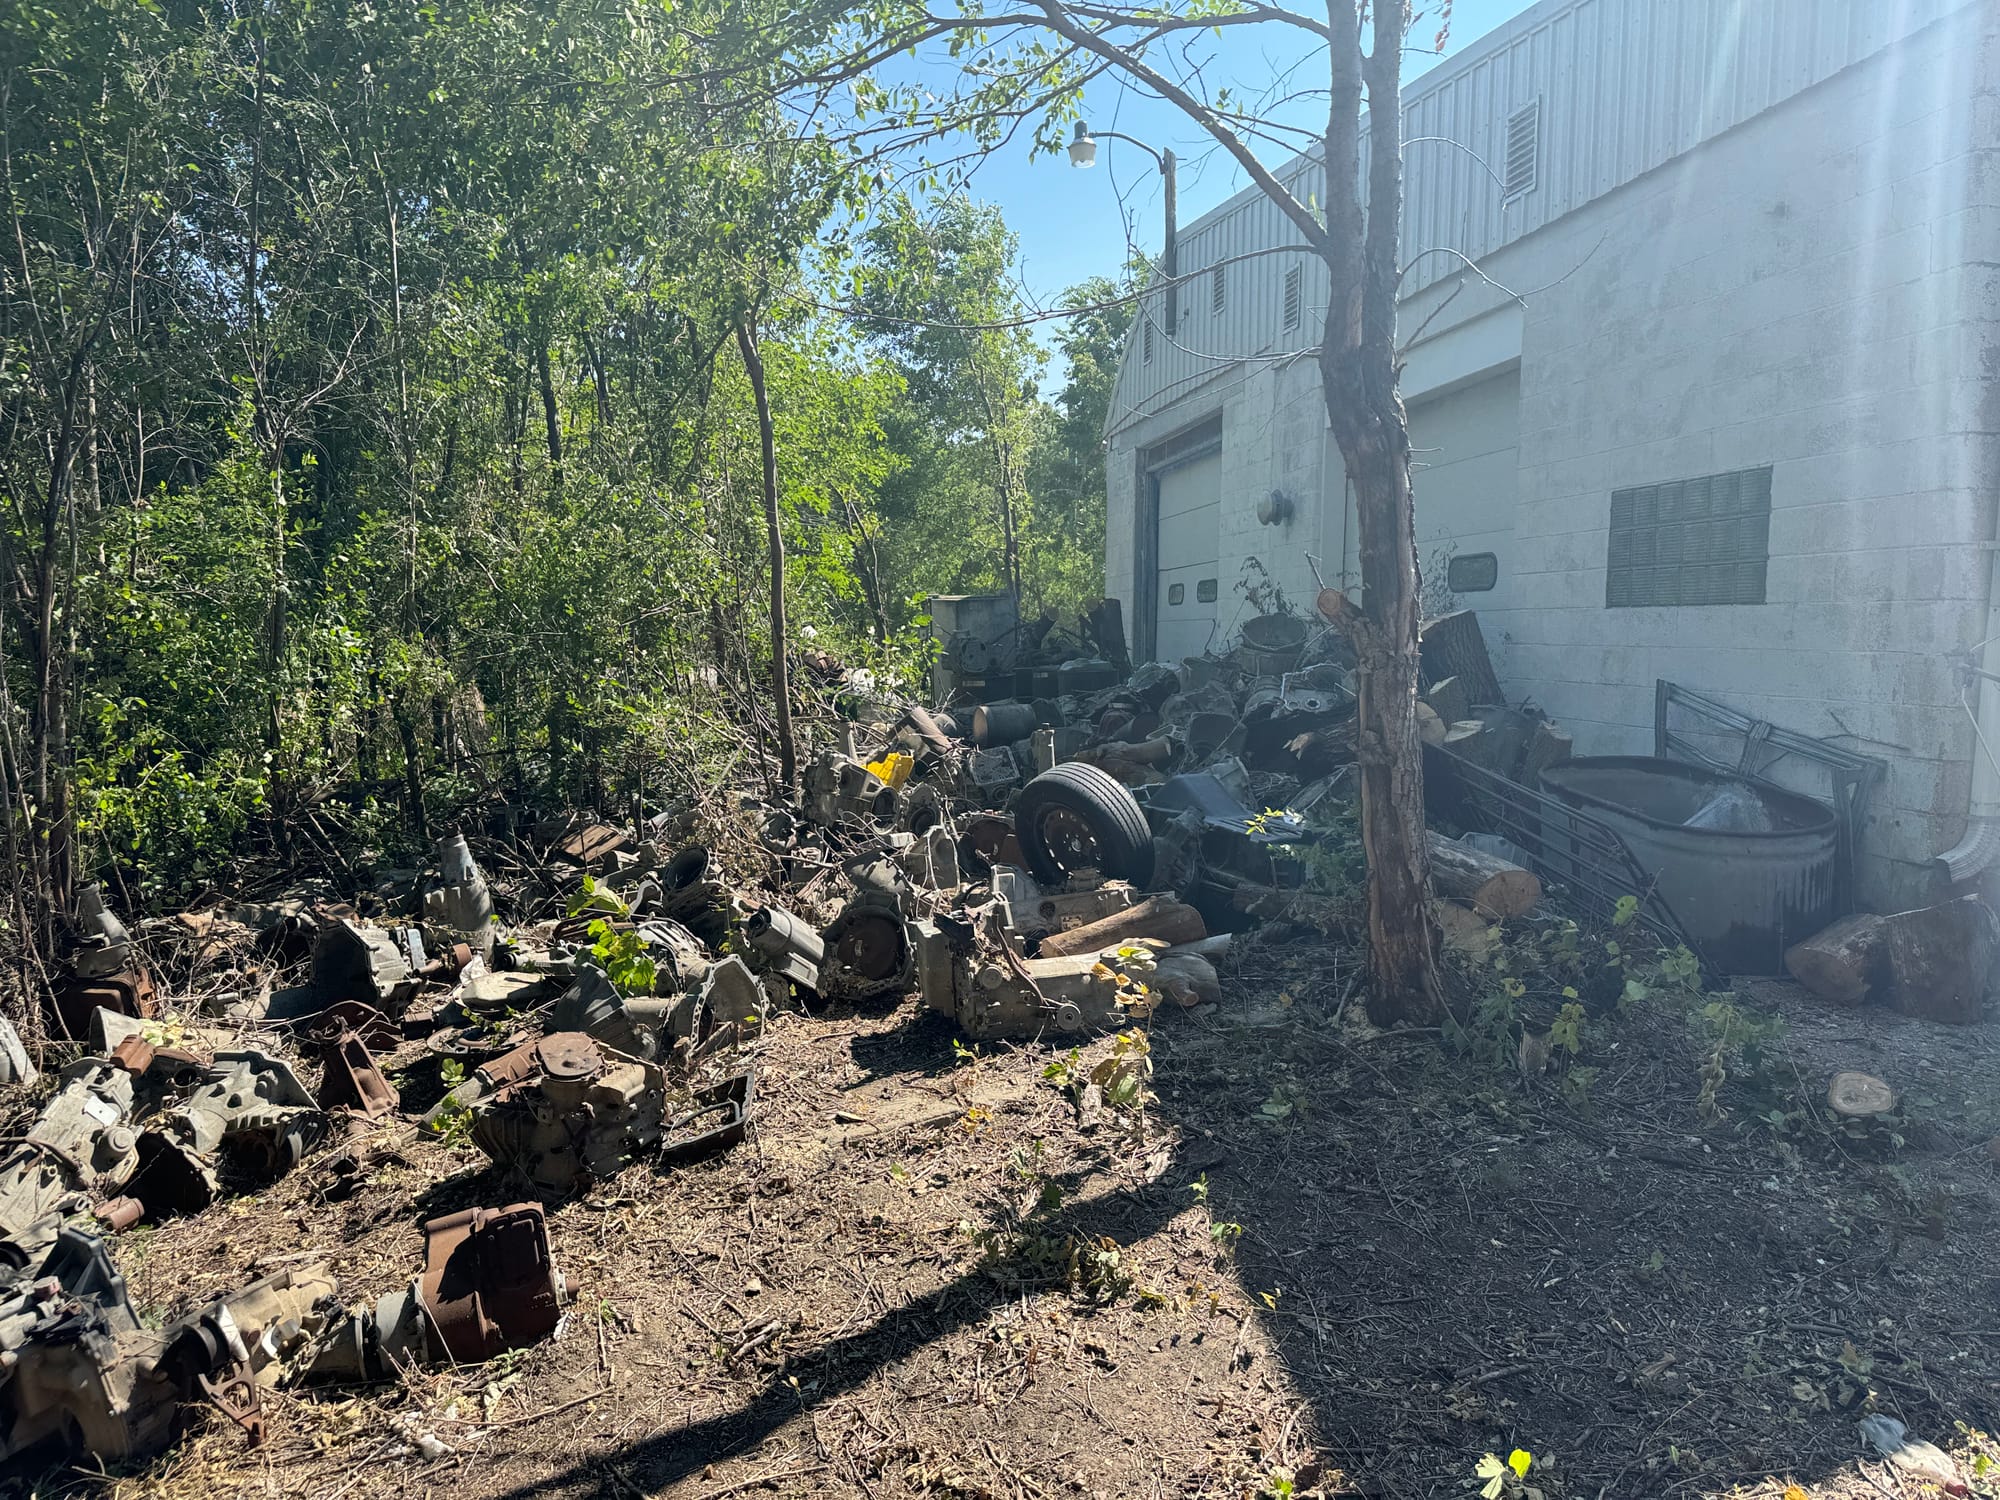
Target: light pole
(1083, 153)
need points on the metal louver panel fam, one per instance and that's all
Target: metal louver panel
(1691, 541)
(1294, 296)
(1524, 140)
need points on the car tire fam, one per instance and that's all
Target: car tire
(1072, 797)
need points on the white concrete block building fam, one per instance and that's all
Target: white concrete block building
(1734, 422)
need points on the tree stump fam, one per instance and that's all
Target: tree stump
(1450, 700)
(1430, 728)
(1469, 740)
(1859, 1096)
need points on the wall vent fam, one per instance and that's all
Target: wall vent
(1690, 541)
(1524, 143)
(1146, 338)
(1294, 297)
(1218, 289)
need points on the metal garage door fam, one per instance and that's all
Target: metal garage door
(1190, 525)
(1465, 462)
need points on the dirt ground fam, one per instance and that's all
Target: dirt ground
(1323, 1258)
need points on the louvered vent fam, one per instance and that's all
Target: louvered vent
(1218, 289)
(1524, 144)
(1690, 541)
(1146, 339)
(1294, 297)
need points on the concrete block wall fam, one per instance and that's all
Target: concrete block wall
(1810, 291)
(1274, 438)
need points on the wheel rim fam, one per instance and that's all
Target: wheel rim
(1071, 842)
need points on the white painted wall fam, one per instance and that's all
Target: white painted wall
(1817, 289)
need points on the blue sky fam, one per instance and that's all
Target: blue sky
(1071, 223)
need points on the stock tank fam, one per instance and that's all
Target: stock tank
(1749, 868)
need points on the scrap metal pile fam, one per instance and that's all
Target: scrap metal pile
(1046, 854)
(567, 1079)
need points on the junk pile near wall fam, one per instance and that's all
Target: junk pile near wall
(1060, 857)
(1057, 850)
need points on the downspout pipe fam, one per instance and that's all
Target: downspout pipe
(1979, 690)
(1979, 668)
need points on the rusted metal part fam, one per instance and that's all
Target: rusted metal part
(129, 992)
(353, 962)
(868, 950)
(988, 840)
(249, 1100)
(719, 1120)
(785, 945)
(134, 1055)
(583, 1113)
(82, 1143)
(842, 792)
(352, 1081)
(489, 1282)
(364, 1020)
(80, 1370)
(118, 1214)
(449, 964)
(521, 1064)
(569, 1055)
(233, 1393)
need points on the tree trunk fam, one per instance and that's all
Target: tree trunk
(551, 419)
(781, 687)
(1550, 745)
(413, 772)
(1358, 368)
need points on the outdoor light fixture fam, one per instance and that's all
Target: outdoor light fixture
(1083, 153)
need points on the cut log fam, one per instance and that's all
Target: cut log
(1430, 728)
(1493, 887)
(1843, 962)
(1548, 746)
(1469, 740)
(1940, 958)
(1452, 646)
(1186, 979)
(1859, 1096)
(1171, 921)
(1463, 930)
(1450, 699)
(1511, 730)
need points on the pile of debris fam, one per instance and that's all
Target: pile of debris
(570, 1078)
(1062, 845)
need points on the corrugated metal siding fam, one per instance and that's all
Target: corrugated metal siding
(1625, 86)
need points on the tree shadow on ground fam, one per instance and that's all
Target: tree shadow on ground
(842, 1365)
(1451, 1262)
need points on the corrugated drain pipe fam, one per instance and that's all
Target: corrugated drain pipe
(1975, 853)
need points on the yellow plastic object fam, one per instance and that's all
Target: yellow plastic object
(894, 768)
